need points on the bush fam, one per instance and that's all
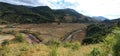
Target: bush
(67, 44)
(74, 46)
(53, 52)
(3, 22)
(107, 45)
(94, 52)
(5, 42)
(19, 38)
(116, 47)
(53, 43)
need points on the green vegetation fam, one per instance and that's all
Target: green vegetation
(109, 46)
(96, 33)
(94, 52)
(118, 24)
(73, 46)
(5, 42)
(101, 39)
(53, 52)
(42, 14)
(22, 14)
(72, 16)
(19, 38)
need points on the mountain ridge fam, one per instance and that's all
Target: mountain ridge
(10, 13)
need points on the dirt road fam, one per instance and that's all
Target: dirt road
(77, 35)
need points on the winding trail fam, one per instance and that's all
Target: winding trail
(76, 35)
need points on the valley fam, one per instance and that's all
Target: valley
(44, 31)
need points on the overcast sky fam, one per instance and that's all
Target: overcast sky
(106, 8)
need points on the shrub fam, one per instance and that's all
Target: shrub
(5, 42)
(3, 22)
(53, 52)
(74, 46)
(19, 38)
(116, 47)
(94, 52)
(107, 44)
(67, 44)
(53, 43)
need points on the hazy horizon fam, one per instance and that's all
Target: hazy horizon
(107, 8)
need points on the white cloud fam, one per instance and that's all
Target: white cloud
(106, 8)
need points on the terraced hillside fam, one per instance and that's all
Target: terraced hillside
(46, 32)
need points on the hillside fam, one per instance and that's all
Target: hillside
(44, 11)
(21, 14)
(10, 13)
(70, 15)
(115, 20)
(20, 47)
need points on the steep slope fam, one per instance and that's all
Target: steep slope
(20, 14)
(70, 15)
(44, 11)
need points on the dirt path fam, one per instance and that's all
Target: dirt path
(77, 35)
(31, 39)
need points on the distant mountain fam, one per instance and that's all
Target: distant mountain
(115, 20)
(10, 13)
(101, 18)
(106, 21)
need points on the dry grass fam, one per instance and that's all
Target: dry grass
(48, 31)
(25, 49)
